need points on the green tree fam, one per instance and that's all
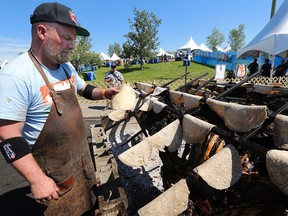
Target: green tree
(115, 48)
(82, 47)
(92, 58)
(127, 51)
(127, 54)
(237, 37)
(142, 40)
(216, 38)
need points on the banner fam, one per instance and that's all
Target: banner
(220, 70)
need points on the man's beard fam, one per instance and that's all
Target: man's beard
(59, 56)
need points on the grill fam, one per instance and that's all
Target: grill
(204, 148)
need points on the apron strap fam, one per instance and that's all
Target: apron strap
(56, 99)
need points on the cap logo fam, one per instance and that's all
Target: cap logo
(73, 16)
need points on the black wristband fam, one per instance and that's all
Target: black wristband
(14, 148)
(87, 93)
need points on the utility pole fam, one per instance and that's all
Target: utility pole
(273, 7)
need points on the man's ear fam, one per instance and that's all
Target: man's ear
(41, 31)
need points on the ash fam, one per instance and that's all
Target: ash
(141, 184)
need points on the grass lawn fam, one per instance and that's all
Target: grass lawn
(158, 71)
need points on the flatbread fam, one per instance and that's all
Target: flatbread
(280, 134)
(117, 115)
(217, 106)
(277, 166)
(158, 90)
(172, 202)
(222, 170)
(195, 130)
(138, 155)
(176, 97)
(240, 118)
(158, 106)
(148, 88)
(125, 99)
(170, 136)
(191, 101)
(148, 103)
(137, 100)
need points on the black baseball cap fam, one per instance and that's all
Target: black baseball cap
(55, 12)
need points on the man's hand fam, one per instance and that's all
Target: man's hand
(110, 92)
(44, 189)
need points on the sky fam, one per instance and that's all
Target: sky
(107, 21)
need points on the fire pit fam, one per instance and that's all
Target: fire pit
(209, 162)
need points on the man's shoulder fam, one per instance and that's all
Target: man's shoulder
(21, 67)
(18, 65)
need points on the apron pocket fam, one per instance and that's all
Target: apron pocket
(65, 176)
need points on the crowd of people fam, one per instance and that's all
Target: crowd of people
(266, 68)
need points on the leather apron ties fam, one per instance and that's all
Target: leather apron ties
(62, 152)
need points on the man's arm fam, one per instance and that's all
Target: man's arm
(94, 93)
(42, 187)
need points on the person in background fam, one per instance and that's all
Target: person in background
(253, 67)
(49, 168)
(286, 63)
(281, 69)
(114, 77)
(266, 68)
(165, 58)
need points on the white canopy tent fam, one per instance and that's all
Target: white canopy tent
(227, 48)
(190, 45)
(218, 48)
(115, 57)
(104, 57)
(4, 63)
(161, 52)
(273, 38)
(204, 48)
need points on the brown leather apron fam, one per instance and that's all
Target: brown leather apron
(63, 153)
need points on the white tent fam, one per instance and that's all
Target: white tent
(114, 57)
(204, 48)
(104, 57)
(273, 38)
(190, 45)
(4, 63)
(218, 48)
(161, 52)
(228, 48)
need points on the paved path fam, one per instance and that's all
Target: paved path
(93, 108)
